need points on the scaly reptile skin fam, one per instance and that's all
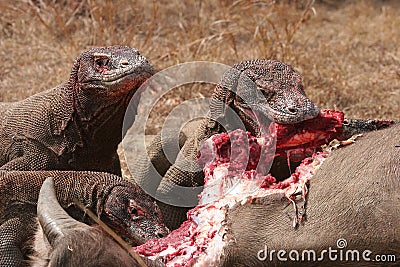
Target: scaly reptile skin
(254, 90)
(78, 124)
(107, 195)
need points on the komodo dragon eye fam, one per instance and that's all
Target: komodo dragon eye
(266, 87)
(134, 210)
(101, 61)
(268, 94)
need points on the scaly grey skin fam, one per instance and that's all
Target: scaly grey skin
(254, 90)
(121, 204)
(78, 124)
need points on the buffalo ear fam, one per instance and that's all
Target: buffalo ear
(54, 220)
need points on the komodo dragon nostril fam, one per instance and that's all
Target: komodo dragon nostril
(124, 63)
(292, 110)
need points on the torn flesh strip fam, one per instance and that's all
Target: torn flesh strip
(234, 175)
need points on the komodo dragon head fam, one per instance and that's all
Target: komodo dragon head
(104, 76)
(133, 214)
(260, 89)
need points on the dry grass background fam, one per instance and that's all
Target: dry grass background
(347, 51)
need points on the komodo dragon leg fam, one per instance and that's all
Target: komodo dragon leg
(38, 158)
(15, 236)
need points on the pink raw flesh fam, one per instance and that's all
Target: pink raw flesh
(300, 140)
(234, 175)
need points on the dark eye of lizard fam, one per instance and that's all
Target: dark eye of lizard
(102, 62)
(268, 94)
(134, 211)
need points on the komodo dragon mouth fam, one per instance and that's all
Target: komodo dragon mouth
(236, 172)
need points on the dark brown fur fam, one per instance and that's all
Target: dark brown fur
(85, 247)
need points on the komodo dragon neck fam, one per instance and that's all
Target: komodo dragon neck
(100, 123)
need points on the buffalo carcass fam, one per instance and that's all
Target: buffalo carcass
(245, 215)
(353, 213)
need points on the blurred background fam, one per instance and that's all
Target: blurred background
(348, 51)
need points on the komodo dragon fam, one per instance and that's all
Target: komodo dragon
(254, 90)
(78, 124)
(119, 203)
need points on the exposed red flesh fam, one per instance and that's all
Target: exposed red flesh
(298, 141)
(234, 174)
